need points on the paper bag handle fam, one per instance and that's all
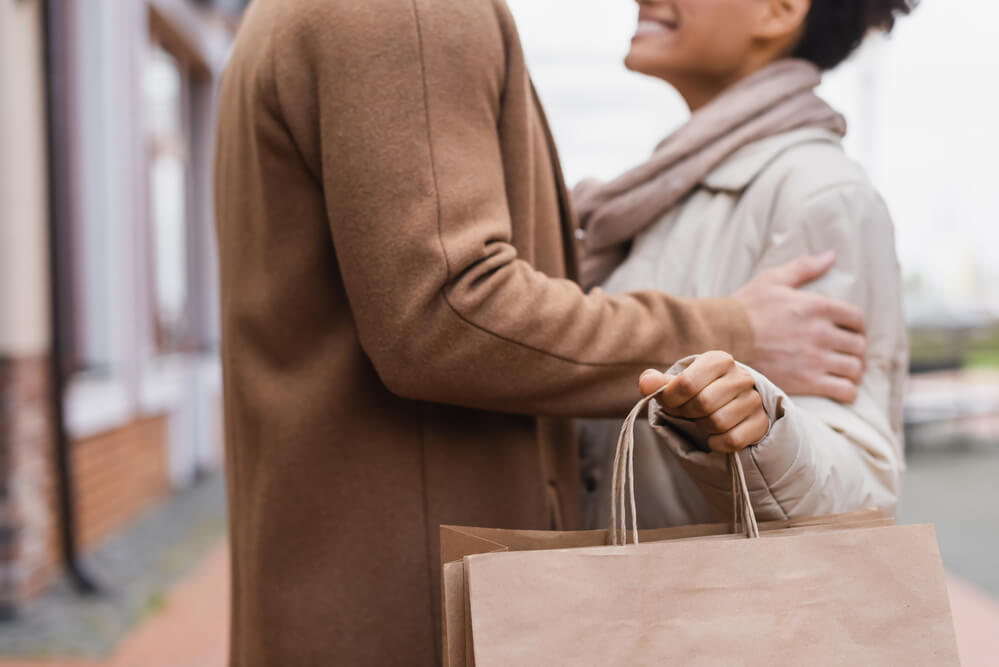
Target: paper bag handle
(623, 484)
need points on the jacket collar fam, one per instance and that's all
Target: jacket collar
(741, 168)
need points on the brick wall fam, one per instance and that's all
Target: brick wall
(117, 475)
(27, 488)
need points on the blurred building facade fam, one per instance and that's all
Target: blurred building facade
(109, 378)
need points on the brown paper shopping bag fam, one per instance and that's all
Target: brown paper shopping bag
(833, 590)
(457, 542)
(852, 597)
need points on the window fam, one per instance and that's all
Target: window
(165, 98)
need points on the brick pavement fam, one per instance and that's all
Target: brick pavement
(189, 631)
(136, 569)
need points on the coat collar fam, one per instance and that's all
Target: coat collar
(741, 168)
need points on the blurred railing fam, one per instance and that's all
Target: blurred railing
(954, 389)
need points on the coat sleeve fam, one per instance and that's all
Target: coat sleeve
(821, 457)
(395, 106)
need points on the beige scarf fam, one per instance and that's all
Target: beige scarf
(776, 99)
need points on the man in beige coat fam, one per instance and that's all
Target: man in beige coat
(402, 338)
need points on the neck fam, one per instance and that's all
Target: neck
(698, 92)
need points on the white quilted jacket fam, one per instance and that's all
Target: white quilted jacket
(775, 200)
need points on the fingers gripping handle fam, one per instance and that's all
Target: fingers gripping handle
(623, 484)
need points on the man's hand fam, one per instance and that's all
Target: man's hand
(806, 343)
(718, 396)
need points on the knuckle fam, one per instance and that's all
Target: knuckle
(814, 305)
(821, 332)
(814, 363)
(845, 391)
(717, 444)
(684, 385)
(801, 310)
(728, 441)
(696, 409)
(715, 421)
(717, 359)
(824, 334)
(763, 424)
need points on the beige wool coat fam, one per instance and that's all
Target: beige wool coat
(793, 194)
(402, 339)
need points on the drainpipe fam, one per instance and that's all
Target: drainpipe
(55, 29)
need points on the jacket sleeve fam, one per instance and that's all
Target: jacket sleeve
(395, 106)
(821, 457)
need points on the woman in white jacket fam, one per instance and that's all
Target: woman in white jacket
(756, 177)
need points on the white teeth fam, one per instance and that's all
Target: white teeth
(651, 27)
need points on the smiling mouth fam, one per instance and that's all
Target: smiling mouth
(654, 27)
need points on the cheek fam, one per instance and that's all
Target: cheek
(714, 50)
(712, 39)
(716, 31)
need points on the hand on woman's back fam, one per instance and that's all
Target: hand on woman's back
(806, 343)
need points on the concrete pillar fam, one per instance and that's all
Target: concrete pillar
(26, 517)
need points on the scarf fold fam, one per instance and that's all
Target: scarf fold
(775, 99)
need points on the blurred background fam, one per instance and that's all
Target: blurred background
(112, 512)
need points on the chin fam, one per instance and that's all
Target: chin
(639, 65)
(652, 58)
(636, 63)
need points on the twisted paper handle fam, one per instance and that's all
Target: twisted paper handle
(623, 485)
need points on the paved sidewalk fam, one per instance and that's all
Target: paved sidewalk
(953, 486)
(191, 630)
(137, 568)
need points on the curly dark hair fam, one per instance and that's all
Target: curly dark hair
(835, 28)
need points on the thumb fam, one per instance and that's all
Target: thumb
(803, 270)
(651, 381)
